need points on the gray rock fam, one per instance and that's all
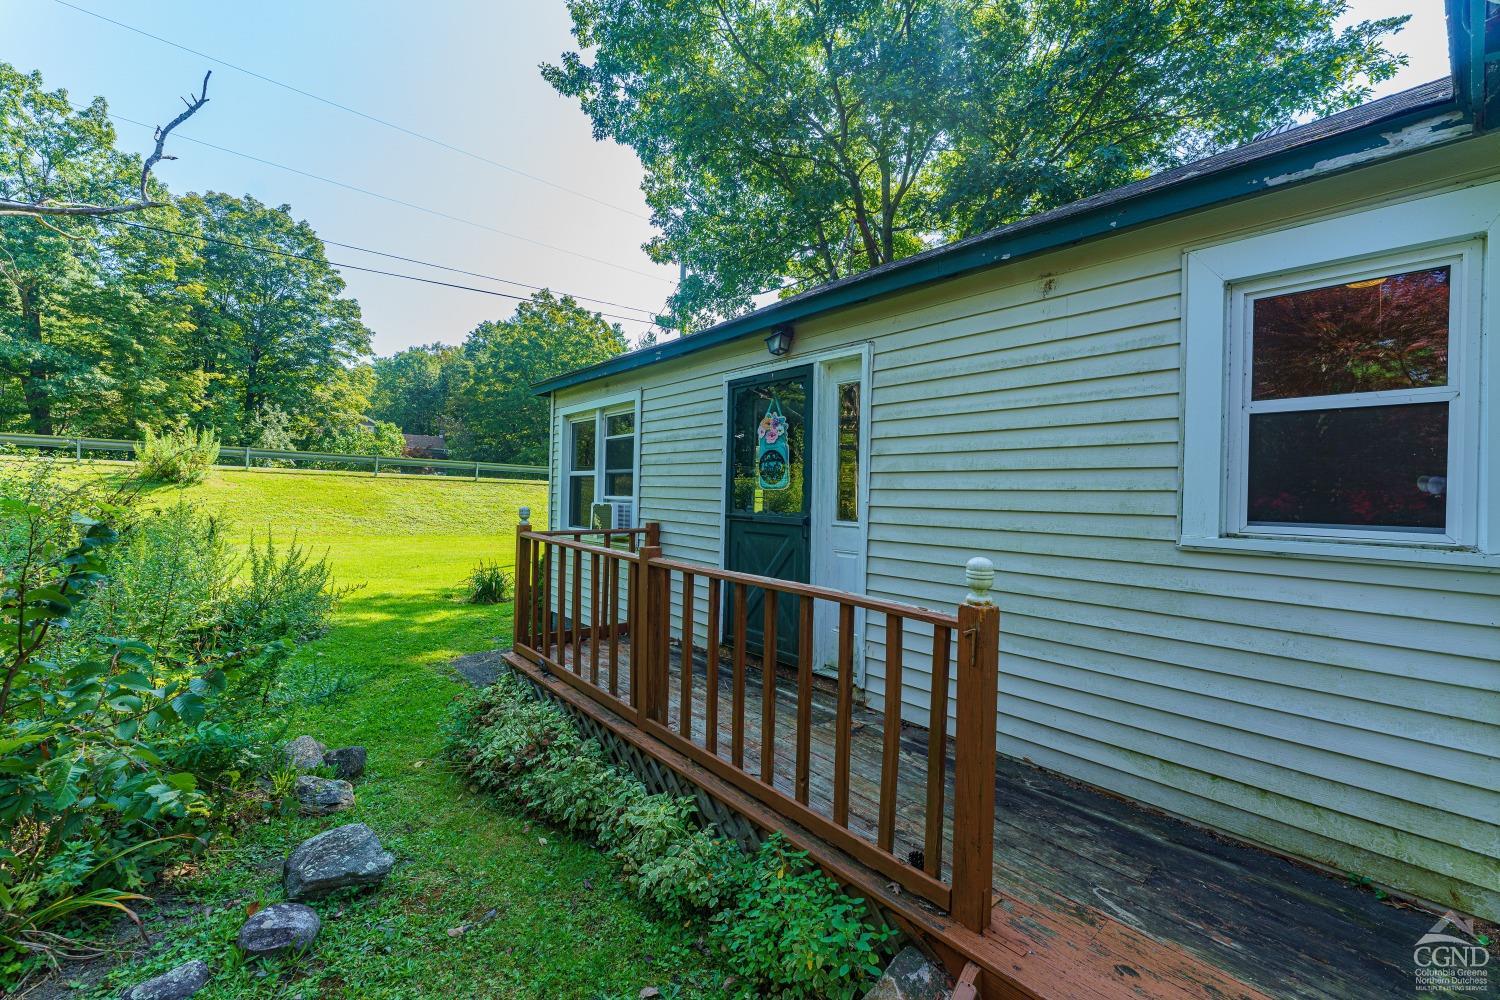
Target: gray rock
(910, 976)
(304, 754)
(183, 981)
(348, 763)
(348, 855)
(321, 796)
(279, 927)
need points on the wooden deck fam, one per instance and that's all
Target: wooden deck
(1094, 896)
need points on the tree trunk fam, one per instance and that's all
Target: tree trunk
(34, 377)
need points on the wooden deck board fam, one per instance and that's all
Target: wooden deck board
(1171, 909)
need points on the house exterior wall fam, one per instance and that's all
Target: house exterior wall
(1345, 711)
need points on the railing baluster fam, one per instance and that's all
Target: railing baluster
(804, 698)
(768, 691)
(737, 720)
(575, 633)
(685, 687)
(562, 607)
(891, 747)
(711, 691)
(844, 724)
(542, 632)
(612, 577)
(594, 610)
(937, 751)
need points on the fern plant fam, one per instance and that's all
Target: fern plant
(182, 456)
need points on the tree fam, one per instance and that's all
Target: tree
(93, 318)
(46, 169)
(274, 326)
(810, 139)
(411, 387)
(494, 416)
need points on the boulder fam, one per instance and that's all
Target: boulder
(183, 981)
(348, 763)
(304, 754)
(910, 976)
(321, 796)
(278, 928)
(348, 855)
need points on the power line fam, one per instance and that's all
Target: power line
(114, 220)
(398, 201)
(382, 253)
(355, 111)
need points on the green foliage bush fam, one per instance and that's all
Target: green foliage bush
(792, 928)
(488, 584)
(787, 927)
(126, 642)
(177, 456)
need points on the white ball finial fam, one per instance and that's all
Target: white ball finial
(525, 515)
(979, 572)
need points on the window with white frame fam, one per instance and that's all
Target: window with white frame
(1336, 400)
(601, 462)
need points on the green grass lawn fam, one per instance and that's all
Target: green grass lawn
(563, 925)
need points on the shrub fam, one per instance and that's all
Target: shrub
(784, 924)
(793, 930)
(488, 584)
(166, 580)
(183, 457)
(134, 657)
(286, 592)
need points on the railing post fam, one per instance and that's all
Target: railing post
(647, 693)
(974, 749)
(521, 616)
(377, 465)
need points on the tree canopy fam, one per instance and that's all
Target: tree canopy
(492, 414)
(411, 387)
(211, 310)
(810, 139)
(275, 327)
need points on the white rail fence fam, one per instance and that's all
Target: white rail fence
(234, 456)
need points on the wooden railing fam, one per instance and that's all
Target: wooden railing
(596, 609)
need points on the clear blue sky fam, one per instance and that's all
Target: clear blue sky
(464, 71)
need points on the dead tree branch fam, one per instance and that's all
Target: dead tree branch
(47, 207)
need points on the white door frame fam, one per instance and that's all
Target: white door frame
(822, 504)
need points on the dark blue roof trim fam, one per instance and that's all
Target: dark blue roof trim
(1238, 173)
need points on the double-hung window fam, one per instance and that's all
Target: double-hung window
(1333, 385)
(600, 463)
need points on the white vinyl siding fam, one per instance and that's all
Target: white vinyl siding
(1339, 709)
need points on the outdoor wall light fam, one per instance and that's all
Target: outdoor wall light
(779, 343)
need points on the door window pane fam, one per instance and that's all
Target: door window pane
(847, 508)
(583, 444)
(1360, 467)
(1363, 336)
(749, 407)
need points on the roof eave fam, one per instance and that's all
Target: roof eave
(1337, 153)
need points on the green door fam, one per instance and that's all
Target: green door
(768, 514)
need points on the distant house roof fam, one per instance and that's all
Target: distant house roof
(1280, 158)
(425, 444)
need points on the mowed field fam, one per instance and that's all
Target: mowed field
(481, 903)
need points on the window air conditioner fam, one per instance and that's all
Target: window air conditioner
(612, 515)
